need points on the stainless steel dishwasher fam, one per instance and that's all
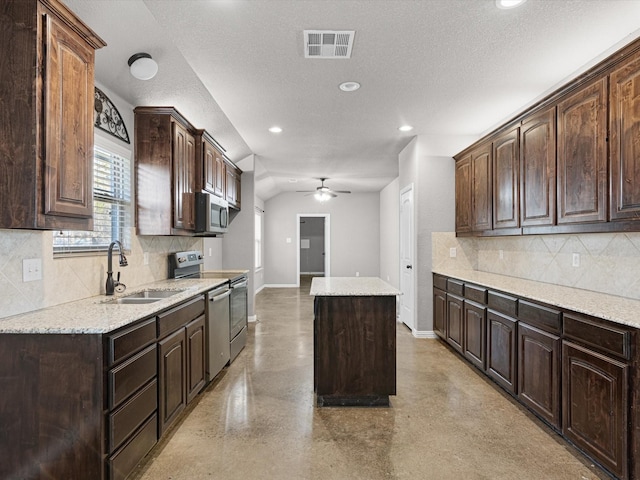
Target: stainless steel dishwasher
(218, 330)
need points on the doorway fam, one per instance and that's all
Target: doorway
(407, 252)
(313, 247)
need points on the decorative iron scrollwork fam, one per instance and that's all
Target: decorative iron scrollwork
(107, 117)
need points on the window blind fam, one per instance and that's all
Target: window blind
(111, 207)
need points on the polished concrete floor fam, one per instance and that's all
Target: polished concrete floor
(258, 421)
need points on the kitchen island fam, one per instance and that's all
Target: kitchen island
(354, 341)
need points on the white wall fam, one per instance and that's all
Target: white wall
(433, 179)
(354, 235)
(390, 233)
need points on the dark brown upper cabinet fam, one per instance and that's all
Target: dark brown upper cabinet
(481, 201)
(538, 169)
(46, 119)
(210, 165)
(463, 195)
(233, 185)
(165, 172)
(582, 155)
(506, 180)
(624, 105)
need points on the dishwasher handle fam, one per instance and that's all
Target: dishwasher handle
(242, 284)
(222, 296)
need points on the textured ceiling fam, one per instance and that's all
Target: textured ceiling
(454, 69)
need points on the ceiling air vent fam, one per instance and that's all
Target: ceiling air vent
(328, 43)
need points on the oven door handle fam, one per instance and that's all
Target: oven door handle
(220, 297)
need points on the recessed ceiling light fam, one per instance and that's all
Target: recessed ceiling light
(405, 128)
(275, 130)
(349, 86)
(506, 4)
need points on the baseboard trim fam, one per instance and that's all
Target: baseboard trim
(252, 318)
(280, 285)
(259, 289)
(424, 334)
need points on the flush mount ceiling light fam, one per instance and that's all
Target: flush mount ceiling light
(142, 66)
(349, 86)
(405, 128)
(275, 130)
(507, 4)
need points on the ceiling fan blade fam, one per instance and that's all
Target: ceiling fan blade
(341, 191)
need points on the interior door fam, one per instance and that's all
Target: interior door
(407, 275)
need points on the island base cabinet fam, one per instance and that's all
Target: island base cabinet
(354, 350)
(595, 405)
(539, 372)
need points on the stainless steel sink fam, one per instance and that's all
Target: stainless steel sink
(155, 294)
(134, 301)
(144, 296)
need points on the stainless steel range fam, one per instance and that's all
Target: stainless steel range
(187, 265)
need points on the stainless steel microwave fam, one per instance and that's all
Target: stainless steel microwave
(212, 214)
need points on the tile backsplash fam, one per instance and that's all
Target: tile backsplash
(67, 279)
(602, 262)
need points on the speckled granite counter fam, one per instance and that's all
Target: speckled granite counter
(617, 309)
(95, 315)
(350, 286)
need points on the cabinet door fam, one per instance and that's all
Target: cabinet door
(172, 377)
(595, 405)
(455, 322)
(624, 105)
(506, 180)
(502, 350)
(440, 313)
(481, 208)
(232, 186)
(183, 178)
(539, 372)
(582, 155)
(195, 357)
(68, 117)
(209, 167)
(474, 333)
(220, 176)
(538, 169)
(463, 195)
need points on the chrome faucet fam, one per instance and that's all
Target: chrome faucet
(111, 284)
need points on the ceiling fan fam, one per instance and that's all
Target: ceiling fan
(323, 193)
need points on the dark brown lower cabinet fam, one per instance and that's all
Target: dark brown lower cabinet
(595, 405)
(502, 348)
(440, 313)
(172, 378)
(195, 357)
(455, 322)
(475, 329)
(539, 372)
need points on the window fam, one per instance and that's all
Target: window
(111, 203)
(258, 232)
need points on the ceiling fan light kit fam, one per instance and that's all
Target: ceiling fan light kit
(323, 193)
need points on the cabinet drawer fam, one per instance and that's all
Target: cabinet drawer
(605, 338)
(439, 281)
(179, 316)
(542, 317)
(502, 303)
(123, 462)
(126, 342)
(124, 421)
(475, 293)
(455, 286)
(128, 377)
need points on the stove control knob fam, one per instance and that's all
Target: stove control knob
(181, 259)
(200, 257)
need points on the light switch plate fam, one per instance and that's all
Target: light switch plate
(452, 252)
(31, 269)
(575, 260)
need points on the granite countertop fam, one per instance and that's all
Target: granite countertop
(95, 315)
(350, 286)
(610, 307)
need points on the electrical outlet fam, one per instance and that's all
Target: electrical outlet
(576, 260)
(452, 252)
(209, 251)
(31, 269)
(288, 239)
(145, 258)
(357, 274)
(501, 254)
